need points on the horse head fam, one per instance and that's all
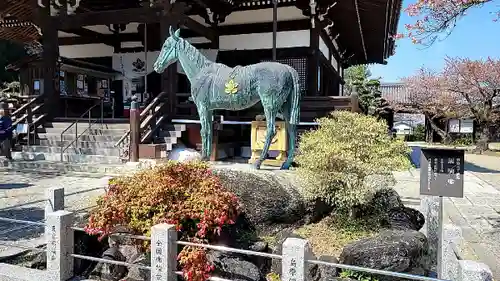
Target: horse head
(169, 52)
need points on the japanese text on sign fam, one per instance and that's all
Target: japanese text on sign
(293, 269)
(442, 172)
(53, 243)
(158, 261)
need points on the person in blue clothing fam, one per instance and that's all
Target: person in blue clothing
(5, 132)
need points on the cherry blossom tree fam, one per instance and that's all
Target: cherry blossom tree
(464, 88)
(435, 18)
(426, 94)
(477, 82)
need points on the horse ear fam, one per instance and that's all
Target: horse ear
(178, 33)
(171, 31)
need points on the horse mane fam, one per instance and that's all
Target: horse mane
(193, 54)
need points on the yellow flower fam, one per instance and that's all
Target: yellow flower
(231, 87)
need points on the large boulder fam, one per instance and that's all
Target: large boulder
(268, 197)
(404, 218)
(391, 250)
(233, 267)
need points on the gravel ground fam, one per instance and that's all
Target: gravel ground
(22, 196)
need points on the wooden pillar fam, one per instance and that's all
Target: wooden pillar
(50, 65)
(135, 129)
(313, 60)
(169, 76)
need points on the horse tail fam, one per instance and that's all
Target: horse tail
(294, 99)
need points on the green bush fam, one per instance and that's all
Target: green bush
(463, 140)
(335, 159)
(419, 133)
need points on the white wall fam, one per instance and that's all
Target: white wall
(86, 51)
(324, 48)
(252, 41)
(255, 41)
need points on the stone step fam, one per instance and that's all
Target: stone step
(72, 149)
(84, 125)
(67, 157)
(79, 143)
(84, 137)
(91, 131)
(174, 127)
(47, 166)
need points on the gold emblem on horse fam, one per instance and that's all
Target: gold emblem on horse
(231, 87)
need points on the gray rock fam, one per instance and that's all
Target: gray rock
(326, 272)
(268, 197)
(110, 272)
(404, 218)
(379, 205)
(391, 250)
(139, 274)
(385, 199)
(233, 267)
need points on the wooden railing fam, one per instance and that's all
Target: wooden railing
(151, 118)
(26, 113)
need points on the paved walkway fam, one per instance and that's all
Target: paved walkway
(22, 196)
(478, 213)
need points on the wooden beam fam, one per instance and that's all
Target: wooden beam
(101, 38)
(141, 49)
(263, 27)
(205, 31)
(92, 35)
(125, 16)
(142, 15)
(329, 43)
(313, 61)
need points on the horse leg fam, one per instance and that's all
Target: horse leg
(206, 132)
(292, 137)
(270, 112)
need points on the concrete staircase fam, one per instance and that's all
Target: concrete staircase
(94, 152)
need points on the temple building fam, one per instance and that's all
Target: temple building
(87, 58)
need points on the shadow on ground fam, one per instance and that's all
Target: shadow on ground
(32, 174)
(14, 185)
(469, 166)
(10, 231)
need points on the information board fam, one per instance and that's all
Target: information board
(442, 172)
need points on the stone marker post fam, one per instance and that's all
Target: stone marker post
(135, 126)
(163, 252)
(441, 175)
(55, 200)
(60, 243)
(451, 238)
(293, 262)
(430, 206)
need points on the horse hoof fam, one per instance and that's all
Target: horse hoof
(256, 165)
(285, 166)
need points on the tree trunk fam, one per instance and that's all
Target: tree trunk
(485, 136)
(435, 128)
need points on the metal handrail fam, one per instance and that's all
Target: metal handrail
(143, 115)
(75, 123)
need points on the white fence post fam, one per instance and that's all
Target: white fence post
(163, 252)
(451, 239)
(60, 243)
(55, 200)
(293, 262)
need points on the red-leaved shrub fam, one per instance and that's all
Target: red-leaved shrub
(185, 194)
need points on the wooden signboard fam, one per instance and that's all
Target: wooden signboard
(442, 172)
(279, 142)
